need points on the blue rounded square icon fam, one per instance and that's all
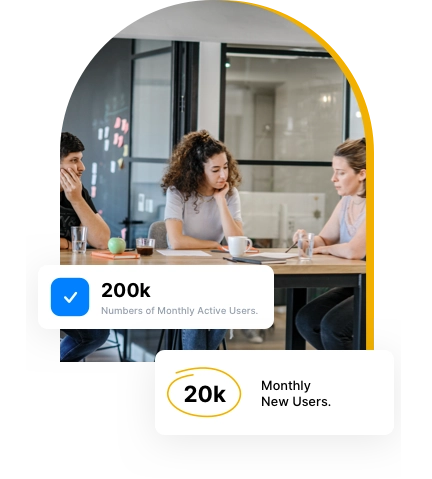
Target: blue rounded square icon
(70, 297)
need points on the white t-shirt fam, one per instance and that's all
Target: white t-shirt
(200, 220)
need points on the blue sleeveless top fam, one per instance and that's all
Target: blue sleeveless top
(346, 230)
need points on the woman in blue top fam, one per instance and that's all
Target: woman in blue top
(327, 321)
(202, 207)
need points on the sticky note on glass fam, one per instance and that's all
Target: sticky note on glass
(117, 122)
(116, 137)
(113, 164)
(149, 206)
(93, 179)
(126, 150)
(93, 192)
(100, 134)
(120, 141)
(106, 135)
(106, 145)
(120, 163)
(125, 129)
(94, 168)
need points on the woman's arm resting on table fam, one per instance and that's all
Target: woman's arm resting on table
(329, 235)
(180, 241)
(354, 249)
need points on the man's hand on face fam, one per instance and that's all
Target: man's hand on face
(71, 184)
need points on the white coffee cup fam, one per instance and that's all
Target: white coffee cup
(238, 245)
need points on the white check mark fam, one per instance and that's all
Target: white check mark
(69, 300)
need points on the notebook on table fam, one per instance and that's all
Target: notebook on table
(109, 255)
(259, 259)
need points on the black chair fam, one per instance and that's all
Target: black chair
(175, 341)
(158, 232)
(113, 343)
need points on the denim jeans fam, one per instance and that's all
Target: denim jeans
(327, 321)
(202, 338)
(79, 343)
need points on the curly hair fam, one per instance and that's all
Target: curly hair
(186, 169)
(354, 151)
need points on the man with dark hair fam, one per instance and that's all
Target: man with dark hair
(77, 208)
(76, 205)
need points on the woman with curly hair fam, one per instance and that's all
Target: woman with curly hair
(202, 207)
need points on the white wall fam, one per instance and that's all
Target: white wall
(279, 215)
(226, 22)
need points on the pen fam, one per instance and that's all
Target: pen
(292, 246)
(229, 259)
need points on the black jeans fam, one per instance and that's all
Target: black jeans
(327, 321)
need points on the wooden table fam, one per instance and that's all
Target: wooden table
(294, 277)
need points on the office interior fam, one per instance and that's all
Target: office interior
(253, 79)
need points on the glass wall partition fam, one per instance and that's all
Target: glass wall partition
(283, 117)
(164, 108)
(279, 199)
(151, 100)
(164, 105)
(355, 127)
(146, 197)
(151, 130)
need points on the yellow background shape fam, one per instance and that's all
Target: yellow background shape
(387, 44)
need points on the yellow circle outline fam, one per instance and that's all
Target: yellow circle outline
(189, 375)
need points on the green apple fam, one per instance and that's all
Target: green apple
(116, 245)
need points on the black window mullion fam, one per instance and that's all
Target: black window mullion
(283, 163)
(192, 86)
(347, 107)
(282, 53)
(222, 94)
(185, 89)
(175, 91)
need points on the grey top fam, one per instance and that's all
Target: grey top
(346, 230)
(203, 220)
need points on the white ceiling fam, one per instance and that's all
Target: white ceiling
(218, 21)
